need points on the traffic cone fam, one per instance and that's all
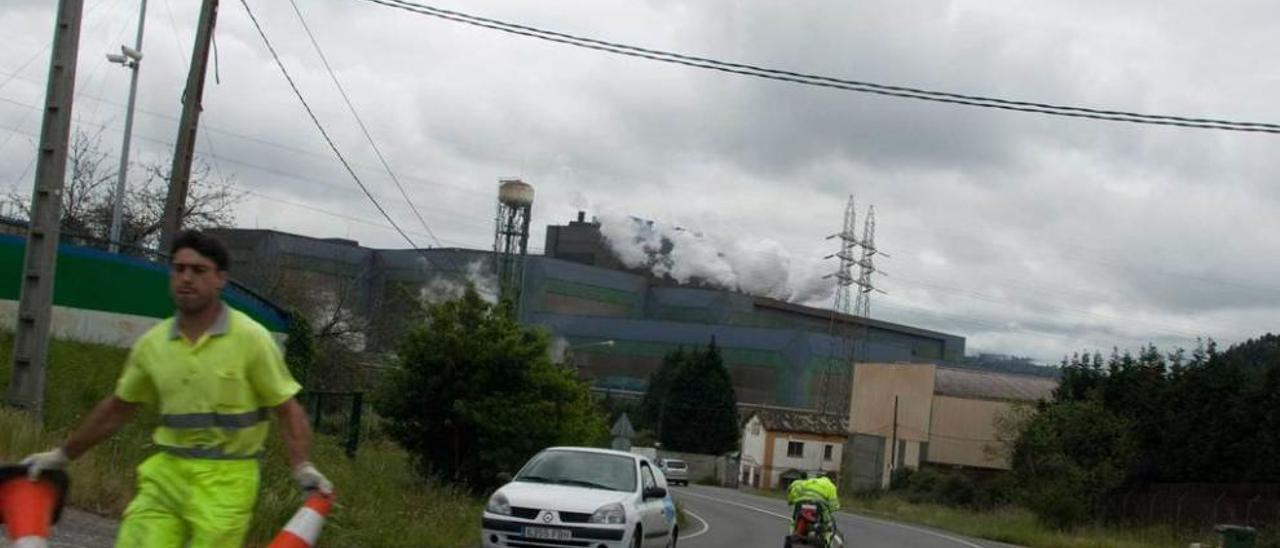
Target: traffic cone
(29, 508)
(304, 528)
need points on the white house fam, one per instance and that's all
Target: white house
(777, 440)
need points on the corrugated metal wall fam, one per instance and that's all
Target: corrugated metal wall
(776, 353)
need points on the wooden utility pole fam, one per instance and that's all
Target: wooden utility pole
(175, 202)
(35, 307)
(893, 459)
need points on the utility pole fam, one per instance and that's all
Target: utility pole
(130, 60)
(31, 341)
(184, 151)
(893, 459)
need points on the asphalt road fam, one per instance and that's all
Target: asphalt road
(79, 530)
(725, 518)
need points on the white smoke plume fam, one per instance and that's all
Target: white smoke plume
(725, 258)
(447, 288)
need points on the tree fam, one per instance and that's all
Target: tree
(653, 405)
(1069, 458)
(89, 197)
(701, 412)
(333, 305)
(475, 393)
(300, 348)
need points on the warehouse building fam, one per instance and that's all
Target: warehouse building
(910, 415)
(778, 353)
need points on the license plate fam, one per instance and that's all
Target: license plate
(545, 533)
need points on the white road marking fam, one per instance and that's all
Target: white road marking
(705, 526)
(739, 505)
(956, 540)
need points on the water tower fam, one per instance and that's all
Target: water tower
(511, 236)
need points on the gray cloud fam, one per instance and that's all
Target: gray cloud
(1028, 234)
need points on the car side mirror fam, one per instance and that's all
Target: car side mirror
(654, 493)
(504, 477)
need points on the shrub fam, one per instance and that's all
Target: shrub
(476, 394)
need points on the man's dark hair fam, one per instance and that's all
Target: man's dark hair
(204, 244)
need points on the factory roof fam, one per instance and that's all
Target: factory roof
(968, 383)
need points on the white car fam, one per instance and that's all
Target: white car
(677, 471)
(577, 496)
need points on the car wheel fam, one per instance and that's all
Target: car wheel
(637, 542)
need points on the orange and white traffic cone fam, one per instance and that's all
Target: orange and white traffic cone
(304, 528)
(29, 508)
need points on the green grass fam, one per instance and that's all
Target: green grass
(1015, 525)
(1011, 524)
(381, 501)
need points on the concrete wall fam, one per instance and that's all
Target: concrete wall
(753, 453)
(962, 430)
(875, 385)
(700, 466)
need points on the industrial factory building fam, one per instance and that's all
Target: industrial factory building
(613, 323)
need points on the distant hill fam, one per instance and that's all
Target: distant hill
(1009, 364)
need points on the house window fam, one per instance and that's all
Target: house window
(795, 449)
(827, 452)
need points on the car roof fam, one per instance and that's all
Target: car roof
(598, 451)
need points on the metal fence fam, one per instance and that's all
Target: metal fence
(1198, 506)
(337, 414)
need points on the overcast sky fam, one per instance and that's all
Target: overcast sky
(1027, 234)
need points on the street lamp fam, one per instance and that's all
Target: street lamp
(129, 57)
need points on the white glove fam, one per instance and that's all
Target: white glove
(309, 478)
(54, 459)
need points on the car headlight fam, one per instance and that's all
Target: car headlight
(610, 514)
(498, 504)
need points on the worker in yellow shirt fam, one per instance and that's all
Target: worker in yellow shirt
(214, 375)
(823, 491)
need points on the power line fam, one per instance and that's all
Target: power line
(277, 199)
(325, 134)
(264, 169)
(260, 140)
(88, 11)
(830, 82)
(360, 121)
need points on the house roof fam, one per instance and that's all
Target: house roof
(968, 383)
(785, 419)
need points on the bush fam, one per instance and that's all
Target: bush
(922, 485)
(956, 489)
(476, 394)
(1069, 458)
(952, 488)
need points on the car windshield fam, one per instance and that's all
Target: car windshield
(581, 468)
(675, 464)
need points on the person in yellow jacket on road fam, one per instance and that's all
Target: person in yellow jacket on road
(821, 490)
(215, 376)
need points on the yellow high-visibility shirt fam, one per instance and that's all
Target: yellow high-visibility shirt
(819, 489)
(213, 395)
